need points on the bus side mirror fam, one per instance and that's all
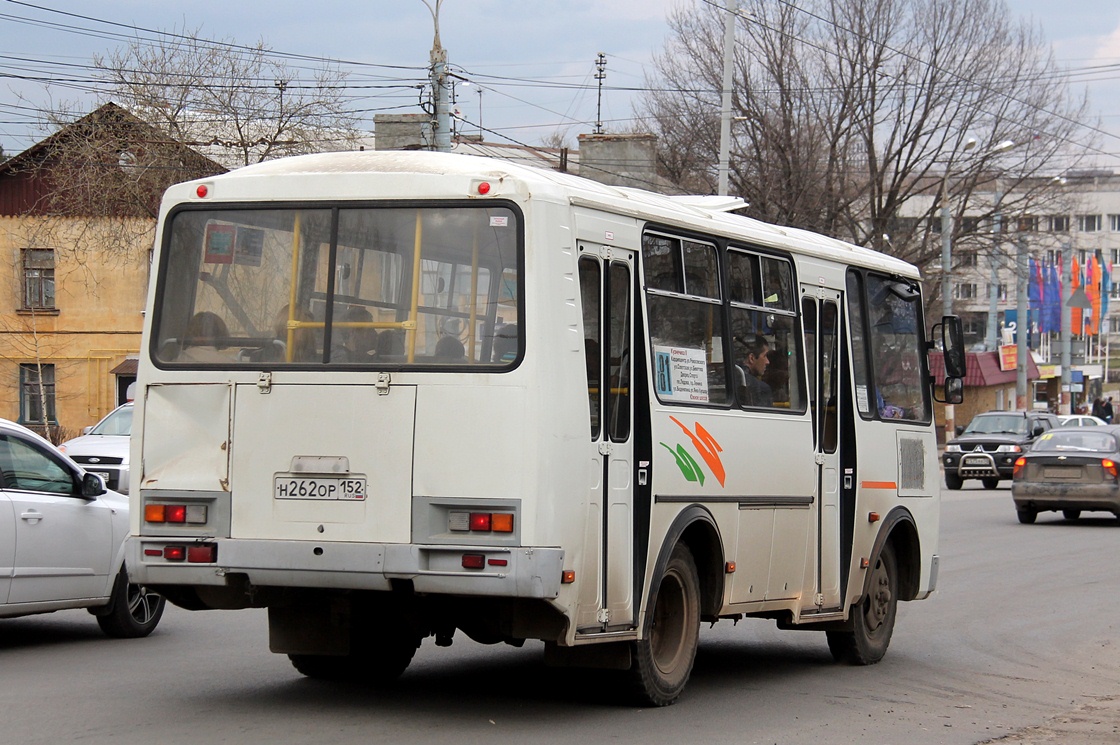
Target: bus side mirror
(952, 344)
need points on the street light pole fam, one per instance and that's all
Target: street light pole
(1022, 328)
(725, 112)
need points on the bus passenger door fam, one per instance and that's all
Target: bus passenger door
(821, 312)
(606, 287)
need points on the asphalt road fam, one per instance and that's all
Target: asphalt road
(1019, 642)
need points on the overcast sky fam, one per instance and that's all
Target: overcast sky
(535, 60)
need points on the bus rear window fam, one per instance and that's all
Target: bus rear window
(432, 286)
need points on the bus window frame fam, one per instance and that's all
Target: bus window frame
(334, 207)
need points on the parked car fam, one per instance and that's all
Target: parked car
(987, 448)
(103, 448)
(1069, 470)
(62, 535)
(1081, 420)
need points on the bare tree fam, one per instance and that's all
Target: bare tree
(847, 110)
(242, 102)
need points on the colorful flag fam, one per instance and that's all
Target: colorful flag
(1075, 313)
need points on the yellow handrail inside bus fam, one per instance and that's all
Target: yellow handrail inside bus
(292, 293)
(414, 311)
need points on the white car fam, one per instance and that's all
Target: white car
(62, 540)
(1081, 420)
(103, 448)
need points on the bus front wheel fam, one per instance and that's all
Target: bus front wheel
(867, 634)
(662, 659)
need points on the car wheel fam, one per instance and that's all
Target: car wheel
(1071, 514)
(870, 624)
(1026, 516)
(662, 660)
(953, 481)
(134, 610)
(990, 483)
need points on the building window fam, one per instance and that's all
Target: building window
(965, 291)
(1001, 291)
(1028, 224)
(38, 278)
(1114, 223)
(970, 224)
(1089, 223)
(966, 258)
(1059, 223)
(33, 396)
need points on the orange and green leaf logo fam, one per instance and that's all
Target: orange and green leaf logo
(708, 448)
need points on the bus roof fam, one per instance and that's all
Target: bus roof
(347, 175)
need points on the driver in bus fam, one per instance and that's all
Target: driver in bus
(753, 390)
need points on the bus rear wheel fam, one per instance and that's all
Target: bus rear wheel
(662, 659)
(867, 634)
(381, 648)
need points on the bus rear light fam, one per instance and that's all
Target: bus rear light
(202, 191)
(498, 562)
(474, 561)
(153, 552)
(175, 553)
(568, 576)
(189, 514)
(729, 568)
(202, 553)
(480, 522)
(873, 517)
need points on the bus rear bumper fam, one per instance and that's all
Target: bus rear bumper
(521, 572)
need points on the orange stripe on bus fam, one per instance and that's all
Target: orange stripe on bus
(879, 484)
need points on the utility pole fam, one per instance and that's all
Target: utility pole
(1022, 328)
(725, 110)
(441, 103)
(600, 75)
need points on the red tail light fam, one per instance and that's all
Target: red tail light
(1020, 464)
(1109, 467)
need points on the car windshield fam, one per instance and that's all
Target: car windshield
(997, 425)
(1082, 441)
(117, 423)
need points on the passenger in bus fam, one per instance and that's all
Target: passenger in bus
(450, 349)
(505, 343)
(390, 345)
(753, 390)
(355, 344)
(205, 339)
(303, 339)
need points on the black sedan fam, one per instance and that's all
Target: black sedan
(1070, 470)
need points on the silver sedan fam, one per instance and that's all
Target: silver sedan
(1071, 470)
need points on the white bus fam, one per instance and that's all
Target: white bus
(393, 395)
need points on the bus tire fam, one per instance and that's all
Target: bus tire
(953, 481)
(867, 633)
(662, 659)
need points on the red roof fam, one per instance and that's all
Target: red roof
(981, 369)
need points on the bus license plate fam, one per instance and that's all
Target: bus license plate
(319, 487)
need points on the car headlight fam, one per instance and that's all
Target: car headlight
(1009, 449)
(952, 448)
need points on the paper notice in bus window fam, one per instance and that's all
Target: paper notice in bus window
(680, 374)
(499, 221)
(250, 247)
(861, 399)
(219, 243)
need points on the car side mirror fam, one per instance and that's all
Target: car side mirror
(87, 429)
(93, 486)
(1037, 431)
(959, 430)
